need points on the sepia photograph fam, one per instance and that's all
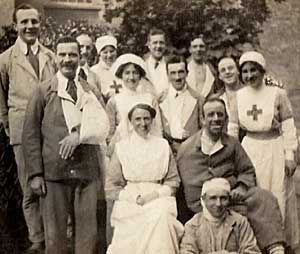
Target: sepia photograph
(149, 127)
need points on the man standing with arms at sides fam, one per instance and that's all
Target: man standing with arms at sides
(22, 67)
(181, 107)
(62, 170)
(200, 77)
(211, 153)
(156, 63)
(84, 71)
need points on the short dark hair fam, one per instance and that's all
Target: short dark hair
(66, 39)
(147, 107)
(213, 98)
(197, 36)
(176, 59)
(23, 7)
(156, 31)
(121, 68)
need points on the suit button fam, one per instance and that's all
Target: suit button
(72, 172)
(72, 158)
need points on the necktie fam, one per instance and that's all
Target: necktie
(33, 59)
(72, 89)
(82, 74)
(156, 64)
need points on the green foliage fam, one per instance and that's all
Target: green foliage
(226, 24)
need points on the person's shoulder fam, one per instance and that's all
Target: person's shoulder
(236, 217)
(7, 54)
(230, 141)
(193, 93)
(271, 82)
(195, 221)
(47, 51)
(189, 144)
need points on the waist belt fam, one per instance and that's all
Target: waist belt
(264, 134)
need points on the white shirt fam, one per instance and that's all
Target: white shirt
(158, 75)
(208, 146)
(72, 112)
(24, 48)
(176, 100)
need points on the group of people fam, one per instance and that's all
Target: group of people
(185, 159)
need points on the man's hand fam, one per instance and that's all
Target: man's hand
(38, 186)
(290, 167)
(239, 193)
(68, 145)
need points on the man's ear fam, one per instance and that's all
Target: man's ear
(15, 26)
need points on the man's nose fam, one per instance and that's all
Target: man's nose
(215, 117)
(29, 24)
(218, 202)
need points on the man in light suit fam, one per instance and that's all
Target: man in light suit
(22, 67)
(62, 170)
(156, 62)
(201, 74)
(180, 105)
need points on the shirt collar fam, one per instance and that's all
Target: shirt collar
(24, 49)
(173, 92)
(153, 61)
(85, 67)
(221, 142)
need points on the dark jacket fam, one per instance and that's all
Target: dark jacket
(195, 167)
(44, 127)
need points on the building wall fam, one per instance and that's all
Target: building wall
(7, 7)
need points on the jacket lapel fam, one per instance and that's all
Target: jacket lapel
(22, 61)
(189, 105)
(43, 59)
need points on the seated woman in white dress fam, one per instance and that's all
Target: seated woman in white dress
(142, 179)
(132, 70)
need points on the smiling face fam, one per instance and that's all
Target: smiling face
(214, 119)
(177, 75)
(67, 58)
(228, 71)
(131, 76)
(141, 121)
(86, 48)
(216, 202)
(252, 75)
(157, 46)
(28, 25)
(198, 50)
(108, 55)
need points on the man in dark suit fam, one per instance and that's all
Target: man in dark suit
(22, 67)
(61, 170)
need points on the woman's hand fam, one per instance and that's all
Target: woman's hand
(144, 199)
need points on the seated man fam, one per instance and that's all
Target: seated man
(211, 153)
(218, 229)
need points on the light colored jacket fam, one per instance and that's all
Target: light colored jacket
(238, 236)
(17, 82)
